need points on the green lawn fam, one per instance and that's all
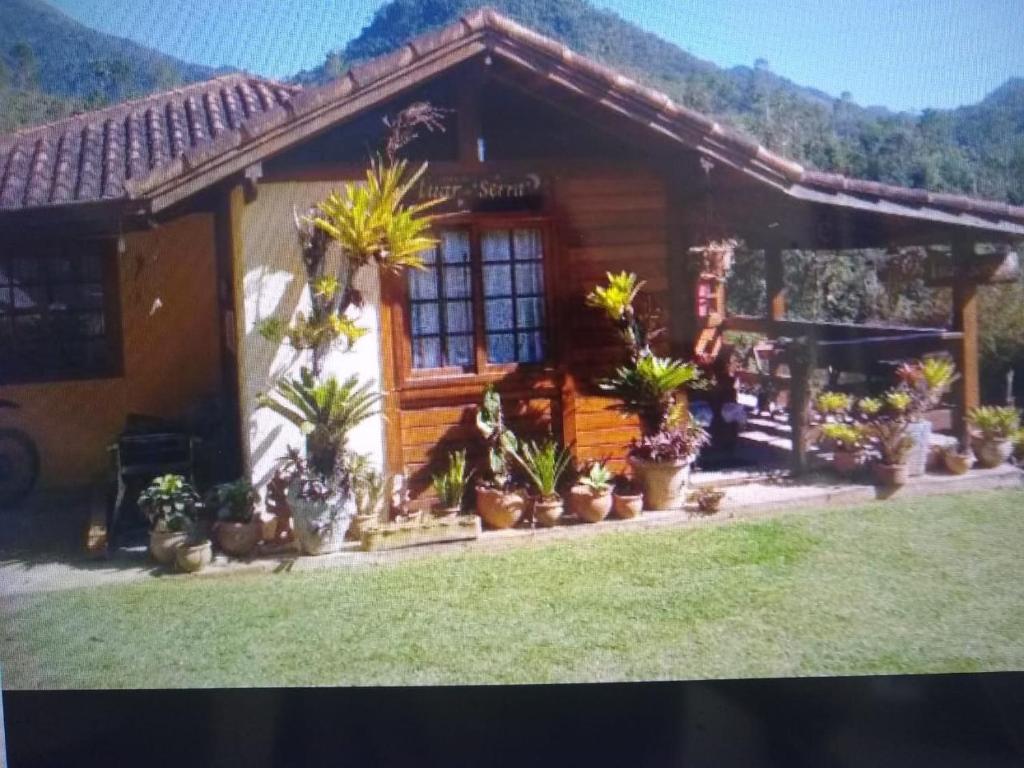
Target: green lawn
(921, 585)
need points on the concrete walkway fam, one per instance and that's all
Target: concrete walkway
(20, 576)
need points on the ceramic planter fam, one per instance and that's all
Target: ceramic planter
(891, 475)
(991, 452)
(317, 524)
(547, 512)
(663, 482)
(237, 539)
(626, 505)
(957, 463)
(194, 557)
(499, 509)
(920, 432)
(163, 544)
(588, 506)
(845, 462)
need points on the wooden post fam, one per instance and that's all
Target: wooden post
(800, 356)
(965, 320)
(775, 282)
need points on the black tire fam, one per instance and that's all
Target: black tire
(19, 467)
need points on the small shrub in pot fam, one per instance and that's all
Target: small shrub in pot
(627, 498)
(993, 428)
(236, 529)
(171, 505)
(450, 486)
(889, 433)
(544, 465)
(590, 500)
(498, 502)
(847, 442)
(708, 499)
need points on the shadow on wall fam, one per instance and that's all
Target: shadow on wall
(274, 286)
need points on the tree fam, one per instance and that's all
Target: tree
(26, 72)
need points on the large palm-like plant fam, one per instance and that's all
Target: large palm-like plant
(648, 388)
(324, 411)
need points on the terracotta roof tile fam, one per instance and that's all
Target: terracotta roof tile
(131, 149)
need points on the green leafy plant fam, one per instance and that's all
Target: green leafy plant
(648, 388)
(450, 485)
(324, 411)
(994, 422)
(844, 437)
(501, 441)
(833, 403)
(598, 478)
(897, 402)
(869, 406)
(369, 485)
(927, 381)
(233, 502)
(544, 465)
(170, 503)
(892, 441)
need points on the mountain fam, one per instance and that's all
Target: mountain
(976, 149)
(51, 65)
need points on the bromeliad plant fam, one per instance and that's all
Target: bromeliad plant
(450, 485)
(844, 437)
(544, 465)
(994, 422)
(371, 223)
(927, 381)
(598, 479)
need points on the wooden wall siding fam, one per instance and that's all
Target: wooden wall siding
(171, 355)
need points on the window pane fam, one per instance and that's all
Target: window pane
(27, 269)
(425, 319)
(426, 353)
(91, 269)
(530, 278)
(5, 300)
(457, 284)
(72, 296)
(60, 268)
(494, 245)
(459, 317)
(530, 347)
(529, 313)
(455, 246)
(501, 348)
(422, 283)
(499, 314)
(460, 350)
(497, 280)
(528, 244)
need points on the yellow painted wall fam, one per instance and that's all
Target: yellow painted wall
(171, 336)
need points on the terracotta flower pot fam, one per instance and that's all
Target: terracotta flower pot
(588, 506)
(957, 463)
(195, 557)
(846, 463)
(891, 475)
(991, 452)
(163, 544)
(547, 512)
(237, 539)
(627, 506)
(664, 482)
(499, 509)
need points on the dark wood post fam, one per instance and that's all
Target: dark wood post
(965, 320)
(775, 282)
(800, 356)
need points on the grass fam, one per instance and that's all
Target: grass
(908, 586)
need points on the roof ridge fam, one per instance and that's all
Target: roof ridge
(125, 107)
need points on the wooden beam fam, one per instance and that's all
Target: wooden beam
(775, 282)
(965, 321)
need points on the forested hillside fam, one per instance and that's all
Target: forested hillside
(51, 65)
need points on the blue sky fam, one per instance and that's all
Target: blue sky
(903, 54)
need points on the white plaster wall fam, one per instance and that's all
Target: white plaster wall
(274, 285)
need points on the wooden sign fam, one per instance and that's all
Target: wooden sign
(988, 266)
(494, 192)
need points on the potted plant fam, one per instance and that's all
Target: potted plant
(194, 554)
(888, 430)
(708, 499)
(590, 499)
(498, 502)
(993, 428)
(956, 461)
(649, 388)
(846, 441)
(627, 498)
(544, 465)
(319, 486)
(833, 406)
(370, 487)
(236, 530)
(926, 381)
(171, 505)
(450, 486)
